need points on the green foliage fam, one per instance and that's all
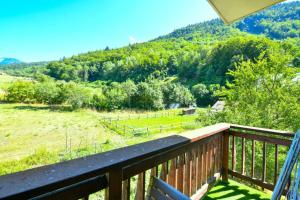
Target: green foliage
(77, 96)
(226, 55)
(21, 91)
(48, 93)
(205, 95)
(148, 96)
(264, 94)
(278, 22)
(177, 93)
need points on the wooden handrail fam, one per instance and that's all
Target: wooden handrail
(262, 130)
(186, 161)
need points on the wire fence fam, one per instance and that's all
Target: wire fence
(113, 123)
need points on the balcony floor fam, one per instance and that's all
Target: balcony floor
(235, 191)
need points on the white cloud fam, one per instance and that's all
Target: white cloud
(133, 40)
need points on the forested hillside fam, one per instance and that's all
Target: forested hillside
(185, 52)
(195, 59)
(278, 22)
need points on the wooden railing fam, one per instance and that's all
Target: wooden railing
(257, 140)
(190, 162)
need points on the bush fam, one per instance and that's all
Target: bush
(21, 92)
(48, 92)
(77, 96)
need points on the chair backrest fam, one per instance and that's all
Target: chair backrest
(160, 190)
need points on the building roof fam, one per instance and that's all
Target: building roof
(232, 10)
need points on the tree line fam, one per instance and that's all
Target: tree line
(148, 95)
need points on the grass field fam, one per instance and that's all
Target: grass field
(235, 191)
(25, 128)
(152, 123)
(35, 130)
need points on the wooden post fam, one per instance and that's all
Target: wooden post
(225, 156)
(115, 184)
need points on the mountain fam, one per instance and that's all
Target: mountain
(8, 61)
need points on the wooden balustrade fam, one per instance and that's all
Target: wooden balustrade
(190, 162)
(262, 137)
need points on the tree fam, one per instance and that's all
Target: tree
(130, 90)
(264, 94)
(115, 96)
(177, 93)
(148, 96)
(201, 93)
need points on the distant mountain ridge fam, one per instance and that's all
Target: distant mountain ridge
(9, 61)
(277, 22)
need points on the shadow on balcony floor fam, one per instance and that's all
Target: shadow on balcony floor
(235, 191)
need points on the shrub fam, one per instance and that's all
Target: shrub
(48, 92)
(77, 96)
(21, 92)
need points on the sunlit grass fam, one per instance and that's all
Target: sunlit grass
(234, 191)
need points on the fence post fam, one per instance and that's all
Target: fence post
(225, 155)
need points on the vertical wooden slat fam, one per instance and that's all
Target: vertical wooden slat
(163, 172)
(179, 176)
(199, 166)
(212, 159)
(233, 154)
(172, 173)
(215, 155)
(154, 171)
(243, 156)
(253, 159)
(193, 172)
(276, 164)
(126, 190)
(140, 189)
(209, 160)
(220, 153)
(225, 156)
(204, 163)
(85, 198)
(115, 184)
(264, 163)
(187, 173)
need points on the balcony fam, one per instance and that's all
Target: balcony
(191, 162)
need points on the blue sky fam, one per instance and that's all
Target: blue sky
(43, 30)
(37, 30)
